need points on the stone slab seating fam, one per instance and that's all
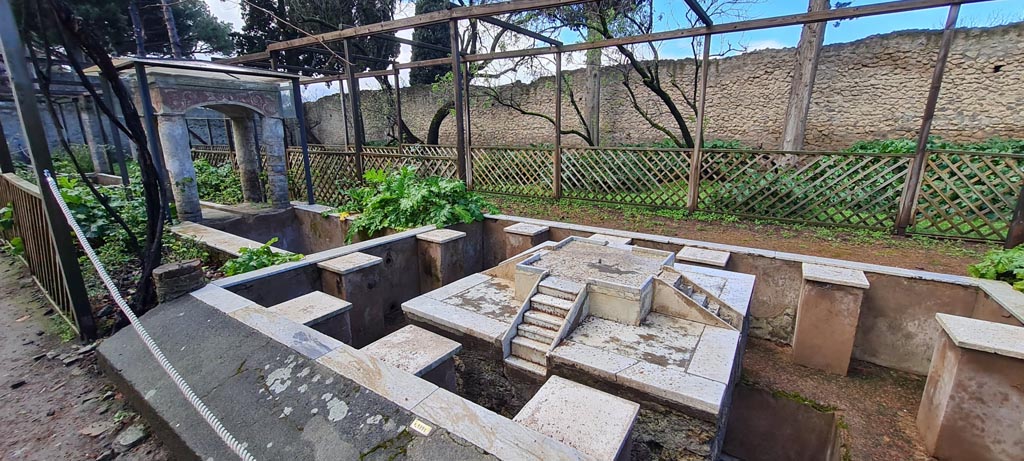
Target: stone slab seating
(442, 257)
(613, 239)
(704, 257)
(230, 244)
(972, 403)
(420, 352)
(523, 236)
(827, 316)
(319, 311)
(355, 277)
(594, 422)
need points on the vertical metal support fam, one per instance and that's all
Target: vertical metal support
(300, 115)
(698, 144)
(357, 115)
(6, 162)
(209, 131)
(1015, 235)
(557, 169)
(460, 134)
(256, 142)
(467, 97)
(152, 135)
(908, 200)
(77, 103)
(23, 91)
(108, 99)
(398, 109)
(344, 109)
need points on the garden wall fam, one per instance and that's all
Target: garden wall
(867, 89)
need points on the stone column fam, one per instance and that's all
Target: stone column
(357, 278)
(441, 258)
(97, 151)
(247, 158)
(827, 317)
(180, 171)
(276, 167)
(523, 236)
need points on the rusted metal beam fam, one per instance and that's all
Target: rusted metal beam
(520, 30)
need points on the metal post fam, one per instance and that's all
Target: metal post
(152, 136)
(398, 109)
(698, 144)
(108, 99)
(23, 91)
(460, 134)
(357, 116)
(6, 162)
(1015, 235)
(344, 109)
(908, 200)
(467, 97)
(81, 124)
(557, 171)
(209, 131)
(300, 116)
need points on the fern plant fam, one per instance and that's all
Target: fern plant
(402, 200)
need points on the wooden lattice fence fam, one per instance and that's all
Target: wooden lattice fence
(632, 176)
(525, 171)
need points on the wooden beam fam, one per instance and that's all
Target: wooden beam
(913, 185)
(698, 144)
(460, 135)
(699, 11)
(245, 58)
(382, 73)
(520, 30)
(1015, 236)
(419, 20)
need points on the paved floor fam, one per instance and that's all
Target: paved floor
(49, 411)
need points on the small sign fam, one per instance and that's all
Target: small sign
(421, 427)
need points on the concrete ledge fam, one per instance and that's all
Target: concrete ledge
(219, 240)
(613, 239)
(835, 275)
(529, 230)
(441, 236)
(983, 336)
(455, 320)
(703, 256)
(312, 308)
(593, 422)
(413, 350)
(349, 263)
(224, 300)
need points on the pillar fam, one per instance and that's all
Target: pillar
(247, 158)
(523, 236)
(181, 174)
(357, 278)
(827, 317)
(441, 258)
(276, 164)
(97, 151)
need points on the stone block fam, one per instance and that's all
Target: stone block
(594, 422)
(175, 280)
(420, 352)
(703, 257)
(613, 239)
(358, 279)
(827, 317)
(523, 236)
(321, 312)
(441, 256)
(972, 403)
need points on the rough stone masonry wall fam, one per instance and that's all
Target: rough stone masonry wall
(868, 89)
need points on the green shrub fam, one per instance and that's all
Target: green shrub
(7, 217)
(402, 200)
(1005, 265)
(218, 184)
(251, 259)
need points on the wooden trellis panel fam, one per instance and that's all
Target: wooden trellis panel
(428, 160)
(524, 171)
(215, 155)
(635, 176)
(968, 194)
(832, 188)
(332, 169)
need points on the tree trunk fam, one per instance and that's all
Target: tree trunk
(172, 29)
(807, 53)
(434, 132)
(140, 34)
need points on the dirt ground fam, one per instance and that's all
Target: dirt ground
(946, 256)
(877, 406)
(49, 410)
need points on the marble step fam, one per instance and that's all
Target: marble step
(551, 305)
(526, 366)
(530, 350)
(543, 320)
(560, 288)
(536, 333)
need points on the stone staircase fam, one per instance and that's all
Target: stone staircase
(541, 322)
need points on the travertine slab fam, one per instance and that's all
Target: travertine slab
(302, 339)
(979, 335)
(349, 263)
(590, 359)
(222, 299)
(593, 422)
(312, 308)
(614, 239)
(703, 256)
(835, 275)
(413, 349)
(693, 391)
(455, 319)
(387, 381)
(715, 355)
(528, 230)
(440, 236)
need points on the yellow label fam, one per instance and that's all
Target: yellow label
(421, 427)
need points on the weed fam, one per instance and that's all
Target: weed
(61, 328)
(123, 415)
(251, 259)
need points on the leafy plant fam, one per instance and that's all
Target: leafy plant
(251, 259)
(1005, 265)
(7, 217)
(219, 184)
(402, 200)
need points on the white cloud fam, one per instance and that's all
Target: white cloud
(229, 11)
(764, 45)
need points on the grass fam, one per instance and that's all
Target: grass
(61, 328)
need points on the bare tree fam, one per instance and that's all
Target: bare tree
(808, 51)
